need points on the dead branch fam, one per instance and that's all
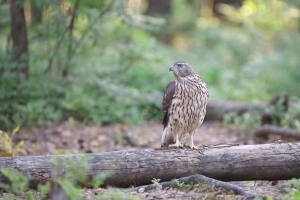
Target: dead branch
(195, 179)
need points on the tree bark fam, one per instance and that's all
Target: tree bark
(19, 36)
(276, 161)
(158, 7)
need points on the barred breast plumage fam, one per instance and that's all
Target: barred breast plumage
(184, 105)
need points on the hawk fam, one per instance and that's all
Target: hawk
(184, 105)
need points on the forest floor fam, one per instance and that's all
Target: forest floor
(70, 138)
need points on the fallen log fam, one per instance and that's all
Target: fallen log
(276, 161)
(276, 130)
(216, 109)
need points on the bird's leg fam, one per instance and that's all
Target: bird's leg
(192, 141)
(199, 147)
(177, 143)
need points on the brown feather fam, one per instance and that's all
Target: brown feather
(167, 101)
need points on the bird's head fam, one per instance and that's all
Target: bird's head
(181, 69)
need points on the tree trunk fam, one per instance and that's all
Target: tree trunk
(276, 161)
(19, 36)
(158, 7)
(70, 45)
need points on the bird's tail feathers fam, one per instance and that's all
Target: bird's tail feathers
(167, 138)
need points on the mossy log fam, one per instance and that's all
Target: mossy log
(276, 161)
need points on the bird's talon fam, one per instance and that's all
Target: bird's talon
(199, 148)
(177, 144)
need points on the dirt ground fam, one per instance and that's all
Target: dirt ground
(91, 139)
(71, 138)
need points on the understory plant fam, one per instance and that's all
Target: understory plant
(68, 178)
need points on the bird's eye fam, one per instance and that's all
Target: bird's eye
(179, 65)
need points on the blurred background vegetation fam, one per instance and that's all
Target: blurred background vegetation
(107, 61)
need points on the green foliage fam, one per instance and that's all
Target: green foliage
(156, 181)
(4, 16)
(120, 87)
(245, 122)
(32, 102)
(7, 148)
(72, 190)
(294, 191)
(98, 180)
(292, 117)
(70, 174)
(19, 183)
(73, 173)
(249, 121)
(250, 56)
(115, 194)
(43, 189)
(178, 183)
(117, 71)
(259, 198)
(76, 171)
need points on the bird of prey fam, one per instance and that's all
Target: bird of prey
(183, 105)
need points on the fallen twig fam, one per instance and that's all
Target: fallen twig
(221, 145)
(133, 142)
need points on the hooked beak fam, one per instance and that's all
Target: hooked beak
(171, 68)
